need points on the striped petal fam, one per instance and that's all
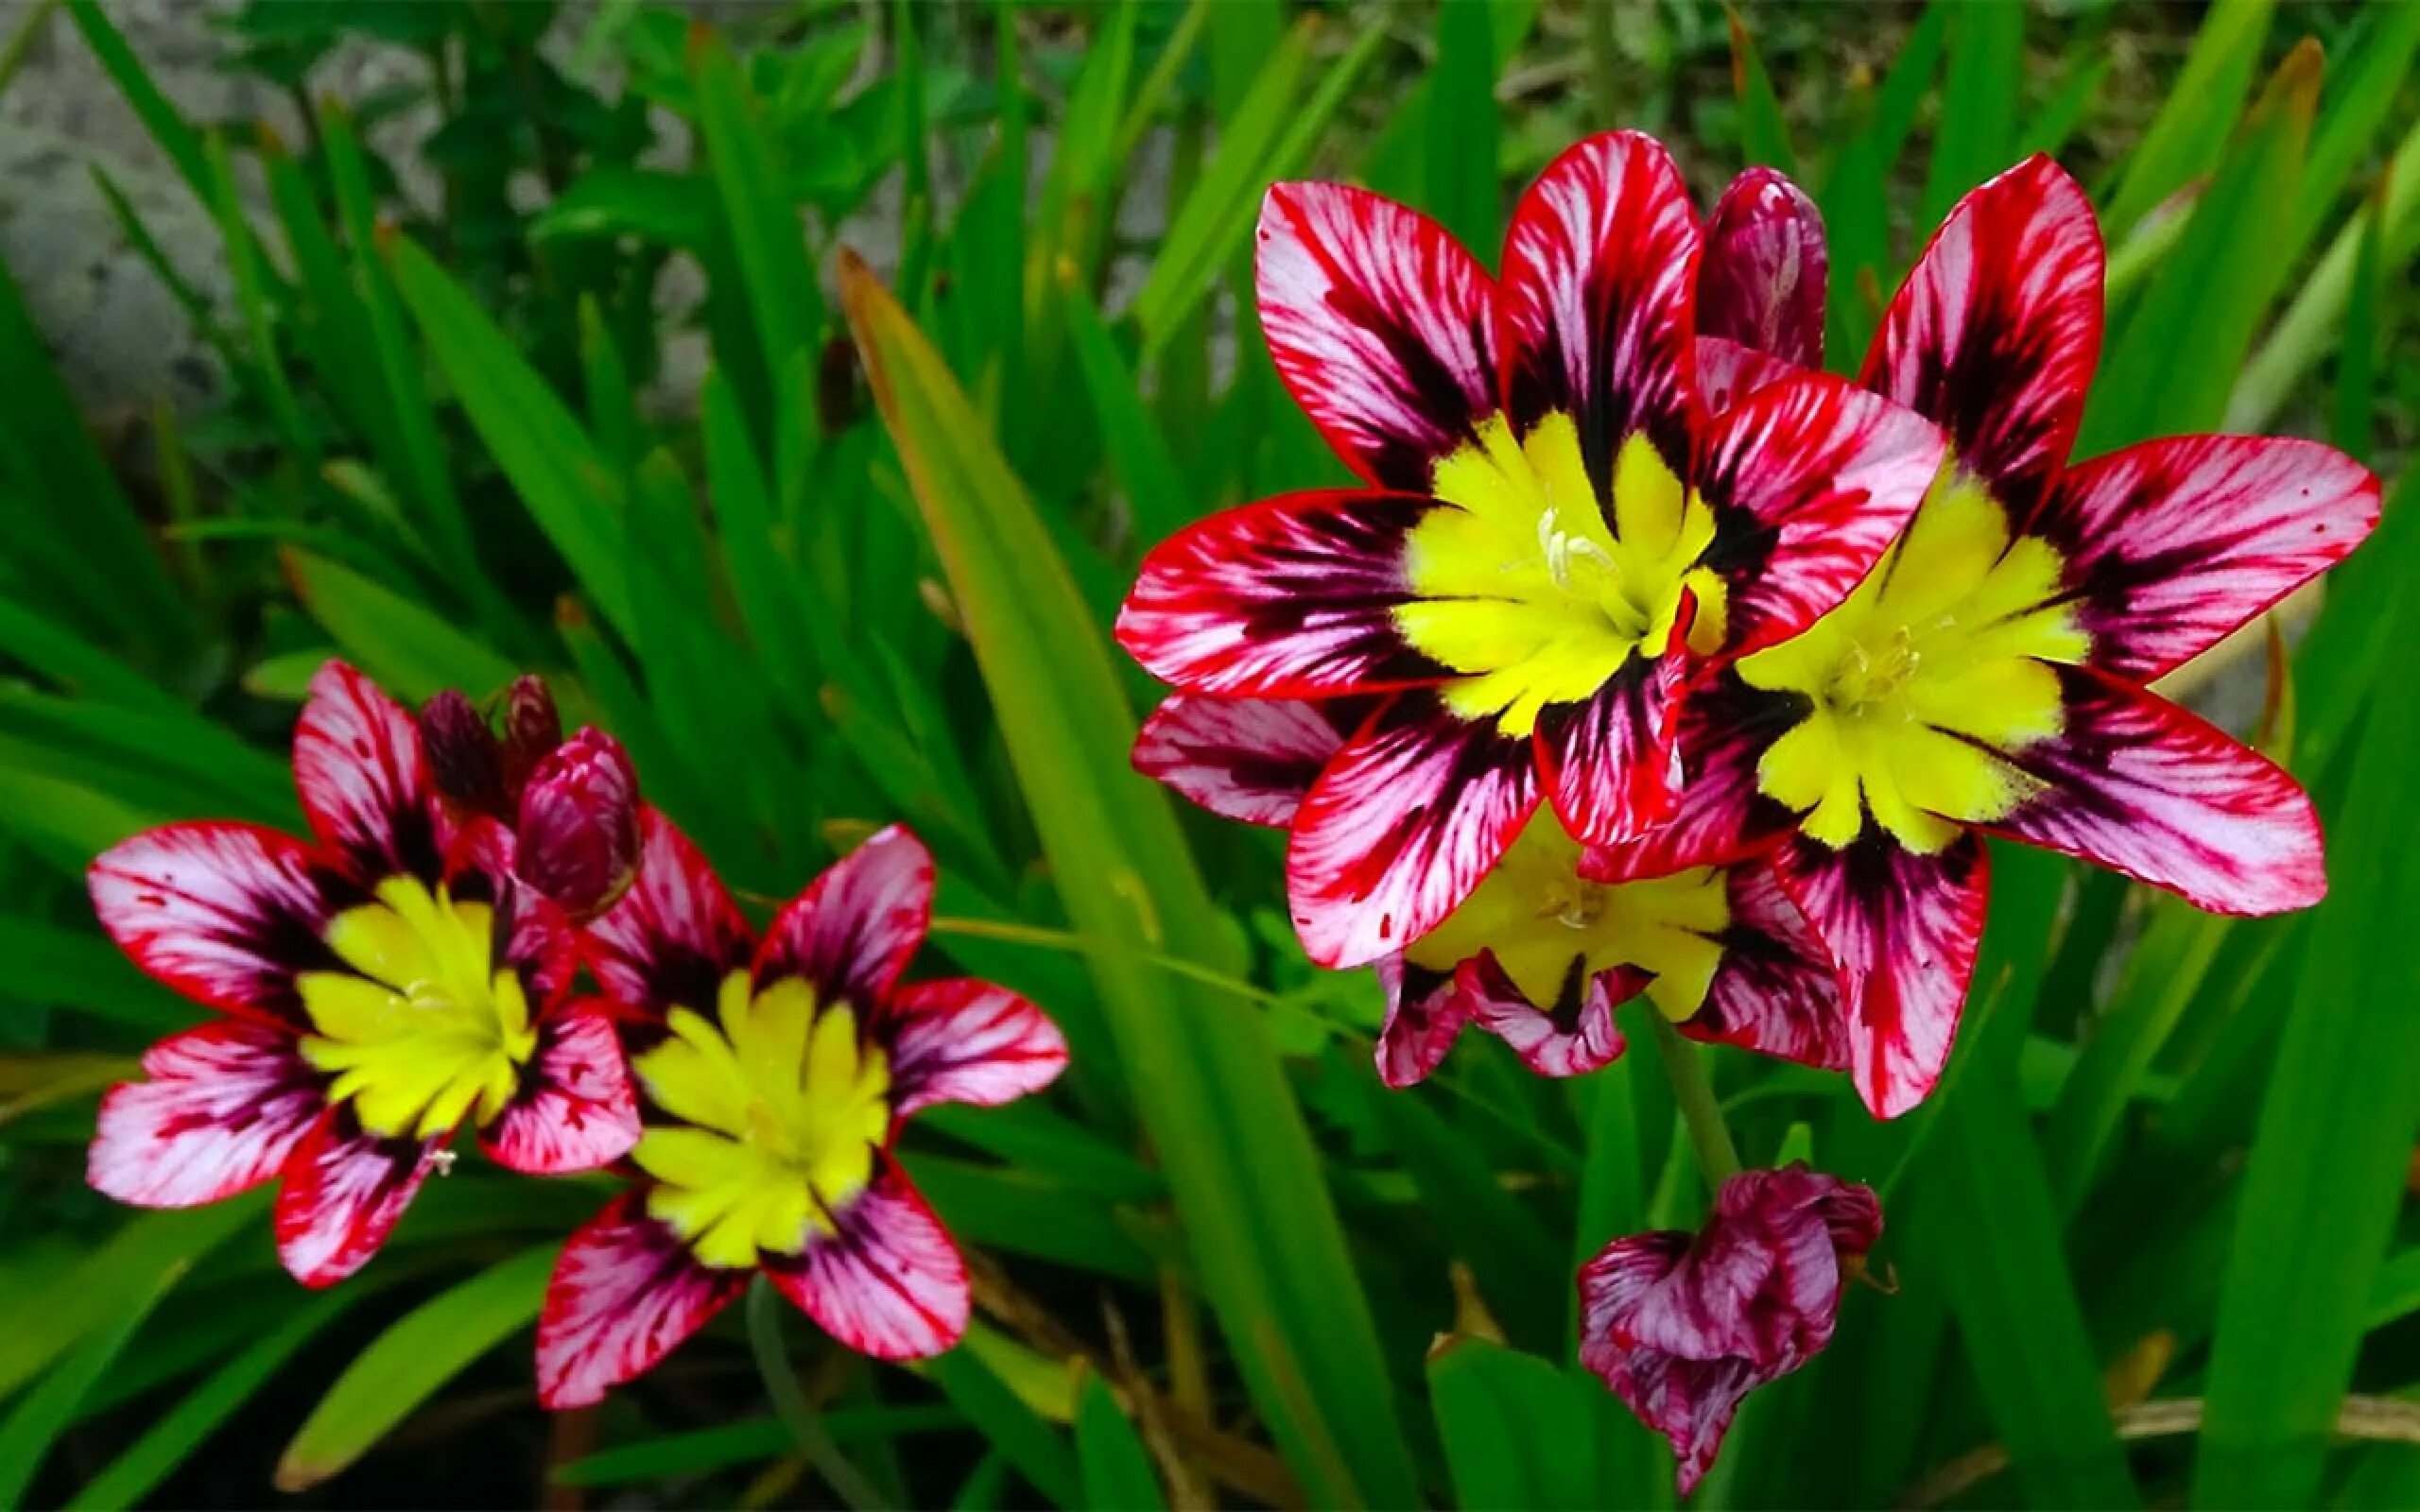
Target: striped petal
(890, 1282)
(226, 914)
(2138, 785)
(1729, 372)
(1610, 764)
(1594, 313)
(1775, 992)
(1400, 829)
(1568, 1037)
(1292, 597)
(576, 1110)
(1719, 816)
(624, 1293)
(1425, 1013)
(965, 1041)
(1901, 929)
(2174, 543)
(220, 1112)
(1245, 759)
(1996, 331)
(1380, 324)
(675, 935)
(343, 1193)
(1766, 265)
(853, 931)
(1813, 478)
(358, 765)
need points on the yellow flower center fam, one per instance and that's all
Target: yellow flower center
(786, 1106)
(1916, 684)
(429, 1025)
(1550, 929)
(1524, 590)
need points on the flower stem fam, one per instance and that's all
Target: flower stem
(1700, 1109)
(791, 1406)
(1075, 944)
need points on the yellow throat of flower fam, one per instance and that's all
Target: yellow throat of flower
(1936, 664)
(1544, 923)
(1523, 589)
(781, 1107)
(426, 1025)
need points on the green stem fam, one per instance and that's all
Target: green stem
(1604, 63)
(1700, 1109)
(791, 1406)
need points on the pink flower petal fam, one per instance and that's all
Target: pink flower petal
(890, 1283)
(966, 1041)
(1292, 597)
(1996, 331)
(1380, 325)
(1902, 930)
(575, 1111)
(221, 1111)
(1401, 828)
(2138, 785)
(625, 1292)
(1425, 1016)
(1729, 372)
(1775, 992)
(676, 934)
(2174, 543)
(1720, 815)
(344, 1190)
(1245, 759)
(1567, 1039)
(357, 763)
(1609, 765)
(1766, 262)
(1828, 474)
(855, 928)
(226, 914)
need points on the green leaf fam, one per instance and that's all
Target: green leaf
(1978, 116)
(2185, 138)
(1212, 1093)
(2325, 1179)
(1764, 135)
(785, 304)
(742, 1443)
(1519, 1433)
(176, 140)
(1114, 1467)
(113, 1280)
(1015, 1429)
(1463, 192)
(410, 1362)
(411, 649)
(44, 1413)
(1157, 496)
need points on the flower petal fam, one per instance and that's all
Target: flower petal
(1400, 829)
(1566, 1038)
(2138, 785)
(221, 1111)
(855, 928)
(625, 1292)
(1292, 597)
(1996, 331)
(1594, 313)
(226, 914)
(676, 934)
(1766, 263)
(1610, 765)
(1425, 1016)
(1902, 929)
(1813, 478)
(2174, 543)
(1246, 759)
(1775, 992)
(966, 1041)
(1729, 372)
(343, 1192)
(575, 1111)
(1719, 815)
(1380, 324)
(890, 1283)
(365, 790)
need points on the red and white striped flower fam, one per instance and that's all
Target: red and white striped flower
(775, 1076)
(379, 985)
(1989, 677)
(1554, 537)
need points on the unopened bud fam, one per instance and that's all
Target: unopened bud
(532, 729)
(463, 761)
(578, 839)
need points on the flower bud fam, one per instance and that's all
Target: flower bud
(532, 729)
(577, 839)
(462, 757)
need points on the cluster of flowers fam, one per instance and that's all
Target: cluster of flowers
(1654, 662)
(412, 967)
